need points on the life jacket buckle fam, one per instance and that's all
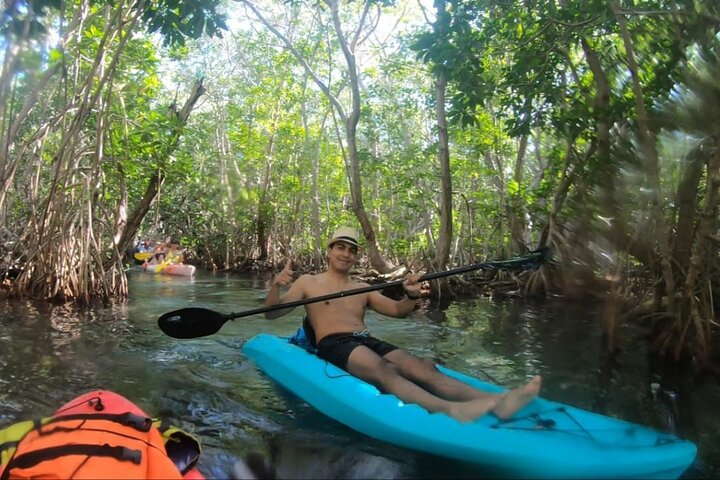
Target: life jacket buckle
(134, 456)
(139, 423)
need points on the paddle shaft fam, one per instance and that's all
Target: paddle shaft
(381, 286)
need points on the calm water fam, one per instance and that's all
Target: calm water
(50, 354)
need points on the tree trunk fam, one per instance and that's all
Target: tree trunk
(136, 217)
(377, 260)
(658, 230)
(687, 198)
(603, 122)
(445, 235)
(350, 121)
(516, 213)
(697, 304)
(312, 152)
(264, 219)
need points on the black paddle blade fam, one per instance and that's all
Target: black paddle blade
(191, 322)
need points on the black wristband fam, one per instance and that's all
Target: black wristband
(412, 298)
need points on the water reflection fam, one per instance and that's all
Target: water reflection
(49, 354)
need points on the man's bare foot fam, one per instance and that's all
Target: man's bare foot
(516, 399)
(473, 409)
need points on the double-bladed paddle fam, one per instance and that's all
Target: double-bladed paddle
(197, 322)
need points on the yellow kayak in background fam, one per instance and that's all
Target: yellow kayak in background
(140, 257)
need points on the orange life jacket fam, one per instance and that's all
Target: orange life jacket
(85, 445)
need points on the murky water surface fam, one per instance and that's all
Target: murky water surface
(50, 354)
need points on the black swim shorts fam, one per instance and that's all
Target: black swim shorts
(336, 348)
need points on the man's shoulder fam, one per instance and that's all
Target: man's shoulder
(306, 279)
(322, 279)
(358, 284)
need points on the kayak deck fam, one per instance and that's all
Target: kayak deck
(546, 439)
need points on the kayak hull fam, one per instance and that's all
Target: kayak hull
(99, 401)
(177, 269)
(546, 439)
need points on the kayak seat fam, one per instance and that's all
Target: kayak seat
(182, 448)
(305, 337)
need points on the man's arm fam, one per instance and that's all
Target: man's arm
(397, 308)
(285, 277)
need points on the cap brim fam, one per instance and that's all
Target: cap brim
(348, 240)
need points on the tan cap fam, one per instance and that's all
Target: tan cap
(344, 234)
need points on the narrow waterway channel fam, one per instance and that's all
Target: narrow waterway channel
(50, 354)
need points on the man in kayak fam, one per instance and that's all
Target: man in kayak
(343, 339)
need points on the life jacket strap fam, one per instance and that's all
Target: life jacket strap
(30, 459)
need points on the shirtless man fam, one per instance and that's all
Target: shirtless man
(343, 339)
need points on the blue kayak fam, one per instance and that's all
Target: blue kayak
(545, 439)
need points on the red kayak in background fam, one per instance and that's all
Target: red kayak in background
(177, 269)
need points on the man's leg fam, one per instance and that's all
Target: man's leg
(424, 373)
(369, 366)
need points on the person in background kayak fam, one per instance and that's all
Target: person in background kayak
(342, 338)
(167, 252)
(174, 253)
(143, 246)
(161, 248)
